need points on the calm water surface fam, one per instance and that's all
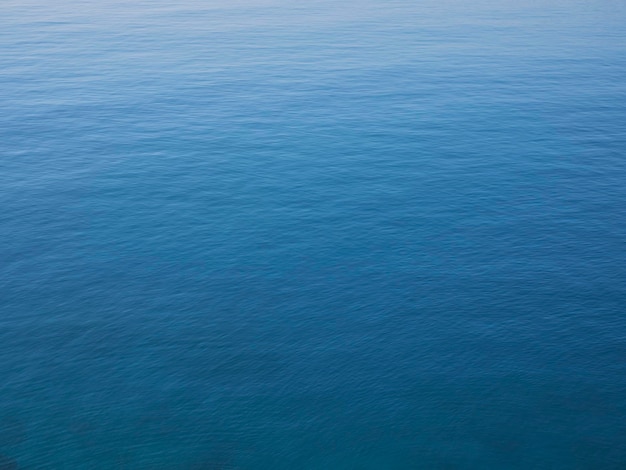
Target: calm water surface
(312, 235)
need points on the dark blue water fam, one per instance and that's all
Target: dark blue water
(312, 235)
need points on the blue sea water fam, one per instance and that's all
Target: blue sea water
(261, 234)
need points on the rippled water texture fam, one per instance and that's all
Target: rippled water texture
(312, 235)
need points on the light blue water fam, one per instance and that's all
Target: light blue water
(318, 235)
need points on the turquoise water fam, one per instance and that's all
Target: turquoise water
(318, 235)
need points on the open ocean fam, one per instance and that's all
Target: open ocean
(316, 235)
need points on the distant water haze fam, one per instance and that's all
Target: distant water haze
(312, 235)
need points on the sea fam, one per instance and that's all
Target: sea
(313, 235)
